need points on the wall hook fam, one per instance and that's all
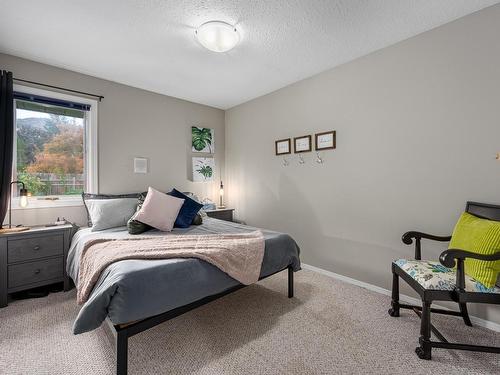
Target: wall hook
(301, 160)
(319, 159)
(285, 162)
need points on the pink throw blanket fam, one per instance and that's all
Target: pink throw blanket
(239, 255)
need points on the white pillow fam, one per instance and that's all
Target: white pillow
(159, 210)
(110, 213)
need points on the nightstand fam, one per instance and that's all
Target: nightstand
(33, 258)
(221, 214)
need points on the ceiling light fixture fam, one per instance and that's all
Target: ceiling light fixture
(217, 36)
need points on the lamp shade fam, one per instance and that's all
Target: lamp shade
(23, 197)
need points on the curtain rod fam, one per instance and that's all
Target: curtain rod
(100, 97)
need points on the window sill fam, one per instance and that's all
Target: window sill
(34, 203)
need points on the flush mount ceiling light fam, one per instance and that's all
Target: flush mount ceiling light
(217, 36)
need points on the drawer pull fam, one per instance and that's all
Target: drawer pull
(37, 271)
(36, 248)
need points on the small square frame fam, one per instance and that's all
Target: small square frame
(141, 165)
(295, 148)
(317, 136)
(276, 146)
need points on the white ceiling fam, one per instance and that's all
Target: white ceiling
(150, 43)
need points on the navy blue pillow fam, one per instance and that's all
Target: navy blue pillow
(188, 210)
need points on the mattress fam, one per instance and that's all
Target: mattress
(131, 290)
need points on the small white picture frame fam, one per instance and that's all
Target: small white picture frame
(283, 146)
(140, 165)
(302, 144)
(203, 169)
(325, 140)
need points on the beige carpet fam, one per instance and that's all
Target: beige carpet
(329, 328)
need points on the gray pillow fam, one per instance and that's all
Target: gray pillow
(110, 213)
(87, 196)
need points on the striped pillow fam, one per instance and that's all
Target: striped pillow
(480, 236)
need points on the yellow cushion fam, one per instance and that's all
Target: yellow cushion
(479, 236)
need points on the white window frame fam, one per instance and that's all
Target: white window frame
(91, 150)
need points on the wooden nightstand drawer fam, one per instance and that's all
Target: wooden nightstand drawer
(33, 272)
(33, 258)
(34, 248)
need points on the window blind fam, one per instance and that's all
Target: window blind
(50, 105)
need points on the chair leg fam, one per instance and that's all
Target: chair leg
(465, 314)
(394, 310)
(424, 350)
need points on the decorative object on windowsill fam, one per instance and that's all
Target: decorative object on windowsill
(283, 146)
(221, 196)
(62, 221)
(302, 144)
(319, 159)
(23, 202)
(202, 140)
(325, 140)
(203, 169)
(286, 163)
(301, 160)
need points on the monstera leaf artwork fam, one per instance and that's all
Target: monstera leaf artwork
(202, 140)
(203, 169)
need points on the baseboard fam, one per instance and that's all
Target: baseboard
(411, 300)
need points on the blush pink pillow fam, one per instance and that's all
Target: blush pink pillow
(159, 210)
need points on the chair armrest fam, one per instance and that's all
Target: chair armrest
(409, 236)
(447, 257)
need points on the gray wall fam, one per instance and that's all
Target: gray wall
(132, 122)
(418, 126)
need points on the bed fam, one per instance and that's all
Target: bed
(134, 295)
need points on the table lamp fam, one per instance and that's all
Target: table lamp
(23, 202)
(221, 196)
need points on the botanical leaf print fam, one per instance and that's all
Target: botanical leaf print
(201, 139)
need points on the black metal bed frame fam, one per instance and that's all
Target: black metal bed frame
(122, 332)
(448, 258)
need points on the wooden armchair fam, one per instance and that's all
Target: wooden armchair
(435, 281)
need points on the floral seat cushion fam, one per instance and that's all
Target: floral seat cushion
(434, 276)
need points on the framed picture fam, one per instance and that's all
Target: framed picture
(203, 169)
(302, 144)
(202, 140)
(325, 141)
(283, 146)
(140, 165)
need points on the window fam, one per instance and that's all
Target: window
(54, 146)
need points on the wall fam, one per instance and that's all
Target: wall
(132, 122)
(418, 126)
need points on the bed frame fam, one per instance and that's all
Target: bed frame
(122, 332)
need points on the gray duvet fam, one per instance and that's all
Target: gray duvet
(131, 290)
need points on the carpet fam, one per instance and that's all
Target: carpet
(330, 327)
